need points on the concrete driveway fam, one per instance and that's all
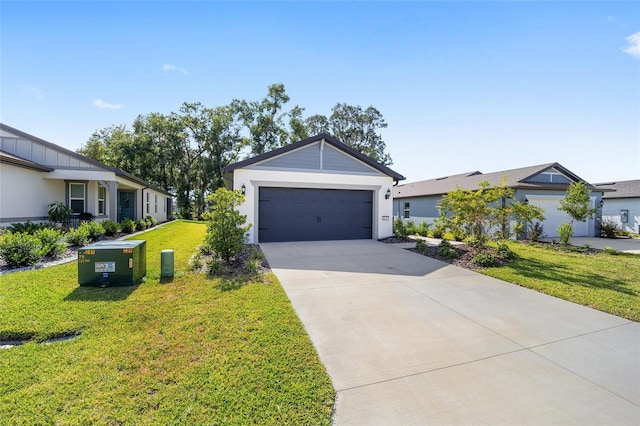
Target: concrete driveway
(410, 340)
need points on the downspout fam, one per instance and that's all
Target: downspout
(142, 203)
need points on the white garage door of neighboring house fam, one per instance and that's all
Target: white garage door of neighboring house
(555, 217)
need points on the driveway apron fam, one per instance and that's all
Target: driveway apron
(410, 340)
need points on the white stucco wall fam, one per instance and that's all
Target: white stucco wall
(254, 179)
(25, 194)
(157, 206)
(612, 210)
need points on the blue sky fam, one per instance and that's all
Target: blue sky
(463, 86)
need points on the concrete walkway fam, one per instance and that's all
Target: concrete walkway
(627, 245)
(410, 340)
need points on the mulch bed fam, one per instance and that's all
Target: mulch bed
(465, 254)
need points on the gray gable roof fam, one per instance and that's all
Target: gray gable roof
(80, 157)
(515, 178)
(622, 189)
(328, 139)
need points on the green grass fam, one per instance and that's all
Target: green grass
(188, 351)
(610, 283)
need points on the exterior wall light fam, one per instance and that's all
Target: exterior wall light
(526, 201)
(243, 189)
(388, 194)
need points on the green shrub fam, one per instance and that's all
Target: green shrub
(217, 268)
(505, 252)
(399, 229)
(565, 231)
(609, 229)
(459, 234)
(486, 260)
(536, 231)
(141, 225)
(51, 240)
(226, 227)
(78, 237)
(446, 250)
(21, 249)
(253, 265)
(473, 242)
(128, 226)
(151, 221)
(27, 227)
(421, 245)
(611, 251)
(410, 228)
(110, 227)
(95, 229)
(423, 229)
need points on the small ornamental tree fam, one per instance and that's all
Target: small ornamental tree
(576, 204)
(525, 215)
(476, 212)
(226, 227)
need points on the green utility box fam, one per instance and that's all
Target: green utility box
(112, 263)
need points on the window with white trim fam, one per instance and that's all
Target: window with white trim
(77, 197)
(101, 198)
(407, 210)
(148, 202)
(155, 208)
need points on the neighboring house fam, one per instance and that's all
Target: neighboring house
(622, 205)
(544, 185)
(34, 173)
(314, 189)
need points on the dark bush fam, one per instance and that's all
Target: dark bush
(609, 229)
(505, 252)
(421, 245)
(27, 227)
(486, 260)
(446, 250)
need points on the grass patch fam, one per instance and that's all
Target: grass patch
(602, 281)
(190, 351)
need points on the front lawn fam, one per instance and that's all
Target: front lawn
(610, 283)
(188, 351)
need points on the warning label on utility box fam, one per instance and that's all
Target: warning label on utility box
(105, 266)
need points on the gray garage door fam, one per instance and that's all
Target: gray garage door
(297, 214)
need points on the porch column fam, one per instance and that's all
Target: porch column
(113, 200)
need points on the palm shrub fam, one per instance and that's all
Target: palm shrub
(226, 227)
(59, 212)
(110, 227)
(27, 227)
(51, 240)
(21, 249)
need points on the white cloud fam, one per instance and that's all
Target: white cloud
(612, 18)
(34, 92)
(171, 67)
(633, 45)
(104, 105)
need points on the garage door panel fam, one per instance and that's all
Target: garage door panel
(555, 217)
(299, 214)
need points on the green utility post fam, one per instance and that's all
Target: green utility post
(166, 263)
